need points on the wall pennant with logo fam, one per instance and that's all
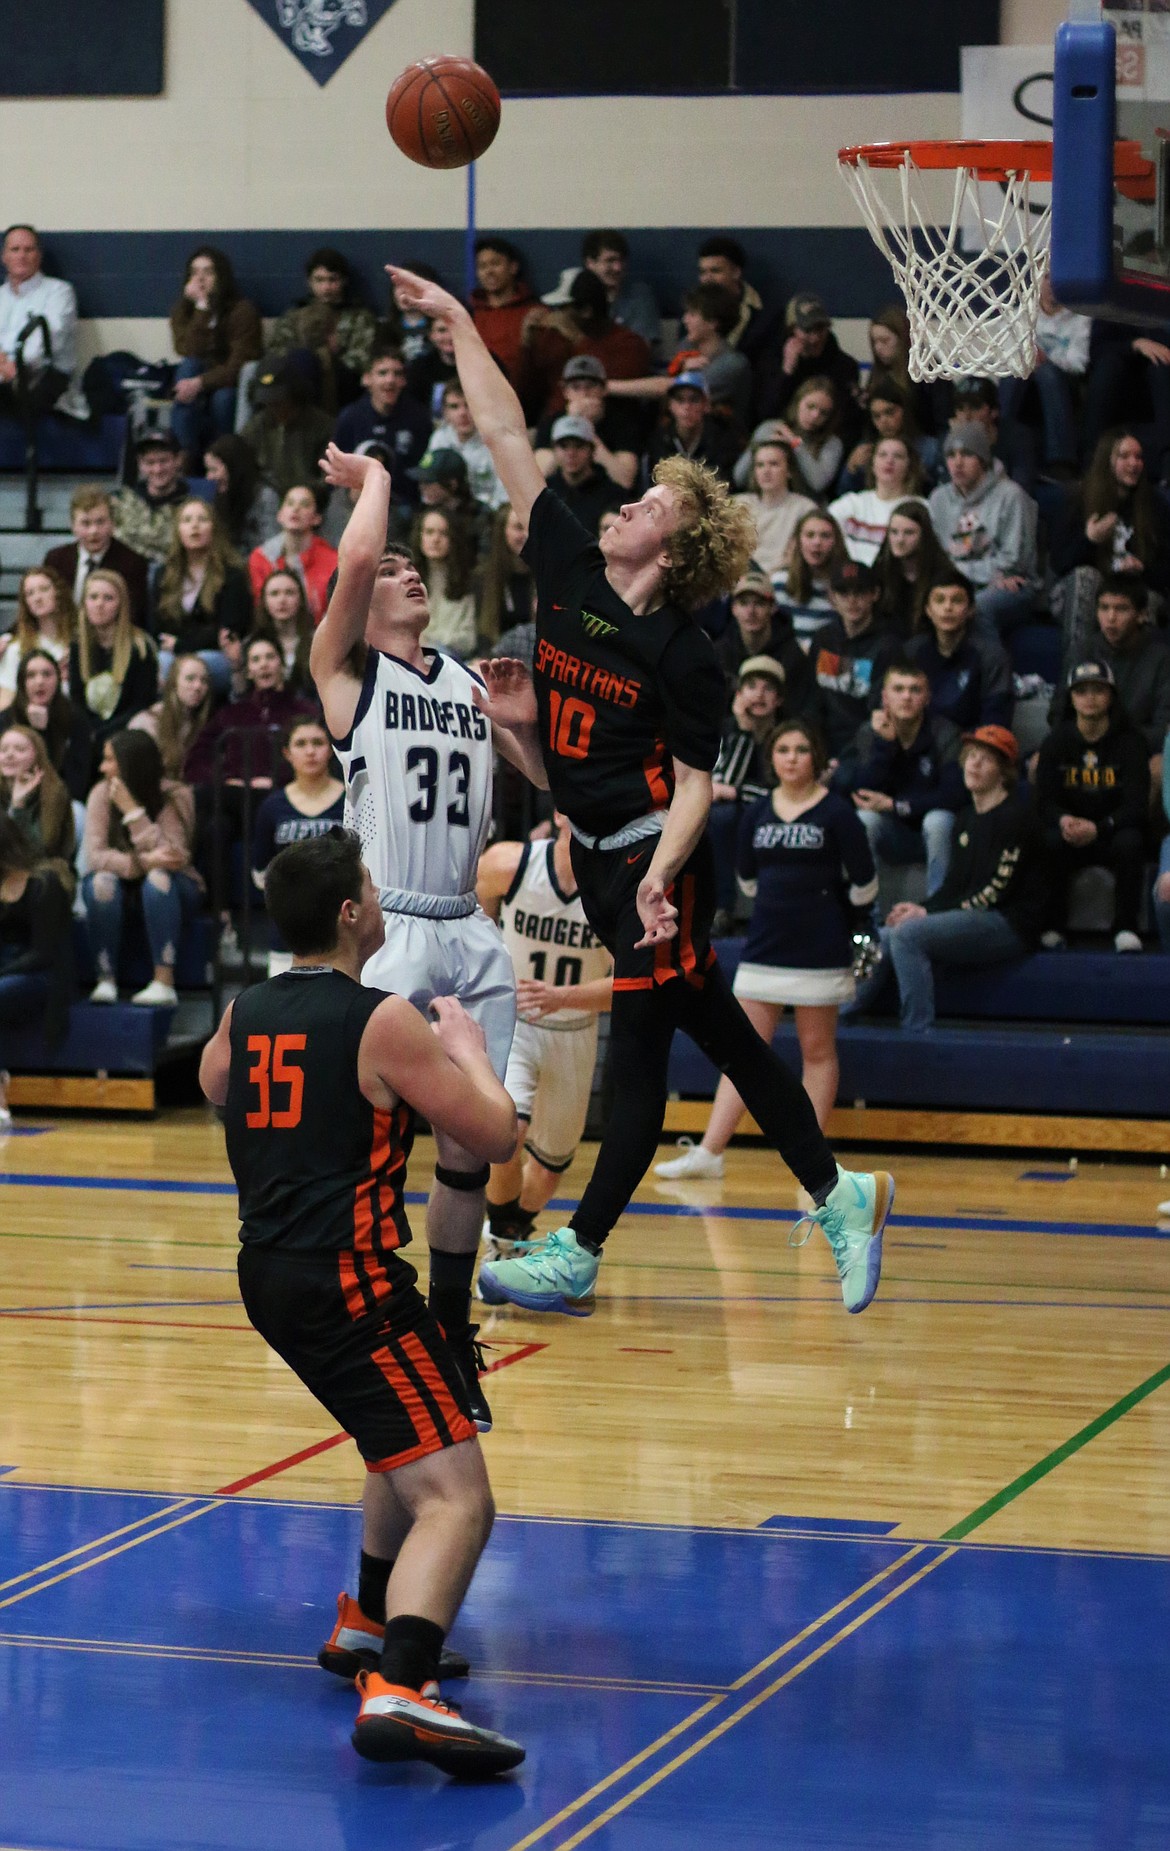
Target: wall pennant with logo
(321, 33)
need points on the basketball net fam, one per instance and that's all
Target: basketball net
(968, 313)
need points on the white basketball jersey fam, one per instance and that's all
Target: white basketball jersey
(418, 775)
(547, 934)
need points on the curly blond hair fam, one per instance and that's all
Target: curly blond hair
(714, 539)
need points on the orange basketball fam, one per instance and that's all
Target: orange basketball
(443, 112)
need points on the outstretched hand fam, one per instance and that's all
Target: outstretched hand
(509, 698)
(656, 912)
(344, 469)
(417, 292)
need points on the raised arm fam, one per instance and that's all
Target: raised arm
(490, 398)
(344, 623)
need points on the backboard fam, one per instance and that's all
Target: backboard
(1111, 160)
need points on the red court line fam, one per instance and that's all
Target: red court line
(85, 1317)
(339, 1439)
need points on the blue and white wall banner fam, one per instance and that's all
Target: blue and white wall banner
(321, 33)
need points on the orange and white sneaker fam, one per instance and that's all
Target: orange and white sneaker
(355, 1644)
(397, 1724)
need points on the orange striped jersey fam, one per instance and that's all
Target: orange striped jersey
(318, 1168)
(619, 696)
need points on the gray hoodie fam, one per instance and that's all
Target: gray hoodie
(989, 531)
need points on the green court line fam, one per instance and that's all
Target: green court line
(1050, 1462)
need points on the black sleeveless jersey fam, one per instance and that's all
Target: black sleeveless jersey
(318, 1168)
(619, 697)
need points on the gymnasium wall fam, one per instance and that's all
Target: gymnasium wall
(243, 147)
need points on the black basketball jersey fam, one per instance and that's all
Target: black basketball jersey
(618, 696)
(318, 1168)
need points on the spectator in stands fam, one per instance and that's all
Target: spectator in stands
(615, 423)
(1129, 378)
(386, 415)
(403, 326)
(888, 415)
(332, 324)
(990, 907)
(310, 804)
(804, 857)
(507, 592)
(708, 314)
(246, 507)
(91, 517)
(46, 619)
(988, 526)
(501, 300)
(176, 721)
(1138, 658)
(576, 480)
(809, 350)
(445, 561)
(26, 296)
(113, 665)
(263, 710)
(288, 433)
(201, 596)
(847, 655)
(1014, 446)
(433, 367)
(689, 429)
(64, 725)
(551, 336)
(909, 561)
(889, 346)
(139, 829)
(722, 262)
(761, 628)
(144, 513)
(456, 431)
(282, 613)
(742, 773)
(893, 474)
(35, 796)
(298, 546)
(811, 431)
(816, 550)
(1115, 522)
(1092, 800)
(215, 331)
(1062, 357)
(968, 669)
(35, 950)
(772, 502)
(442, 483)
(902, 772)
(631, 302)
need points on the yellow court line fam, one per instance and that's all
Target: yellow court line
(729, 1722)
(713, 1703)
(93, 1562)
(97, 1541)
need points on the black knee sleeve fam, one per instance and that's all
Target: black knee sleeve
(469, 1180)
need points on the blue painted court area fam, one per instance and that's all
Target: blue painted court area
(832, 1692)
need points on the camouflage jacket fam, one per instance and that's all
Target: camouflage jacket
(310, 324)
(147, 526)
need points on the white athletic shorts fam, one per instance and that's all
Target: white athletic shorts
(550, 1077)
(465, 958)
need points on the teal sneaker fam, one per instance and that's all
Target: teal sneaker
(853, 1219)
(555, 1275)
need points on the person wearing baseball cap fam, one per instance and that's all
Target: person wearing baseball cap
(615, 422)
(1092, 801)
(990, 907)
(804, 347)
(144, 512)
(987, 525)
(741, 774)
(688, 427)
(848, 654)
(761, 629)
(576, 478)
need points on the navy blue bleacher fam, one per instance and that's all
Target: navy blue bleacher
(66, 443)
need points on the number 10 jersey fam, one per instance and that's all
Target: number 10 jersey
(418, 775)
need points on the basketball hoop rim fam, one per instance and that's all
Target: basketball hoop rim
(987, 160)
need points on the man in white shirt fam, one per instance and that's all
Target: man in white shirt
(26, 294)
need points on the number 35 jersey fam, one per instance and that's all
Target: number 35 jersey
(418, 774)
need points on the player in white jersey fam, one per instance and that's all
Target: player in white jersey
(564, 978)
(417, 756)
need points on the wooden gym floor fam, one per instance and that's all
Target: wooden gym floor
(762, 1570)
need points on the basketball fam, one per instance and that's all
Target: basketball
(443, 112)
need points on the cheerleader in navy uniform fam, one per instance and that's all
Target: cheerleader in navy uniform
(805, 857)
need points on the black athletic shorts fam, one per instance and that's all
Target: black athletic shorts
(382, 1369)
(609, 879)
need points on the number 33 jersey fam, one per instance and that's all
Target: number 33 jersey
(418, 774)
